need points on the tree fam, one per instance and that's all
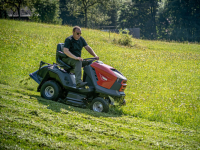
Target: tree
(153, 9)
(67, 15)
(112, 12)
(83, 6)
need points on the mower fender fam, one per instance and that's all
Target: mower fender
(46, 78)
(63, 78)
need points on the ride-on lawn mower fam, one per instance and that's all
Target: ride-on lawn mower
(104, 83)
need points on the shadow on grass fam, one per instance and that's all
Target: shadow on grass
(114, 111)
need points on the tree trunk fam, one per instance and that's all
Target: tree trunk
(18, 9)
(153, 14)
(85, 11)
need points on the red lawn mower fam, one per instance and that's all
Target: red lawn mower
(105, 85)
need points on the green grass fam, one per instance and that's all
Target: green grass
(163, 93)
(31, 122)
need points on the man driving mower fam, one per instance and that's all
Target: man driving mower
(72, 48)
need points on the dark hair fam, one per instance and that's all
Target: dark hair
(76, 27)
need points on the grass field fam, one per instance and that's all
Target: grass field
(163, 93)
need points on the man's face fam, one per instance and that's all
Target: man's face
(77, 34)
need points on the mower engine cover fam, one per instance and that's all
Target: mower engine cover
(109, 77)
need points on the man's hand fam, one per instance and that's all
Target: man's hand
(79, 58)
(97, 57)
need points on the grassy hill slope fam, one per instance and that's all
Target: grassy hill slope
(31, 122)
(163, 93)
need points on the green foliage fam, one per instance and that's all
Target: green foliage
(97, 17)
(15, 5)
(94, 13)
(67, 16)
(91, 11)
(3, 13)
(179, 20)
(112, 12)
(47, 11)
(140, 14)
(124, 38)
(166, 19)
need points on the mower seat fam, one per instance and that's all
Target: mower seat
(60, 55)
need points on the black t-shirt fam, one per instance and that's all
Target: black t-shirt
(75, 46)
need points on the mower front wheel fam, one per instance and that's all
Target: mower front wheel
(100, 105)
(50, 90)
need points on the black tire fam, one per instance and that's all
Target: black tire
(100, 105)
(50, 90)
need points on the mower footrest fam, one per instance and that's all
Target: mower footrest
(75, 102)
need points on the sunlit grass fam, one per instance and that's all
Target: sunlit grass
(30, 122)
(163, 78)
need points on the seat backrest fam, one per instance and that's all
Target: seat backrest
(60, 55)
(60, 47)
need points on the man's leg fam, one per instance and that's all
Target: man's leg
(77, 65)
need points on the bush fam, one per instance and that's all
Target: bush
(125, 38)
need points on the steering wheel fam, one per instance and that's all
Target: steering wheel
(92, 58)
(88, 61)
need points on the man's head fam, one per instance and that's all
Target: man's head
(76, 32)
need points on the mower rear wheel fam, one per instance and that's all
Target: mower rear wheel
(100, 105)
(50, 90)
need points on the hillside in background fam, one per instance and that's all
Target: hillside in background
(163, 93)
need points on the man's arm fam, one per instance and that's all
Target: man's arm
(69, 54)
(90, 50)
